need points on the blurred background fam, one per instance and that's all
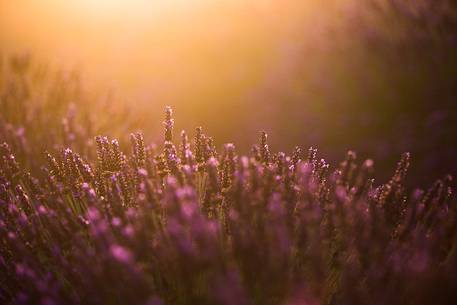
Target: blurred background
(375, 76)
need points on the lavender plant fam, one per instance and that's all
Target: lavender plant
(191, 225)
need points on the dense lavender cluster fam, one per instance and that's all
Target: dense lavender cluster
(95, 220)
(183, 223)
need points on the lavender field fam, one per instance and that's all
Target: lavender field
(326, 180)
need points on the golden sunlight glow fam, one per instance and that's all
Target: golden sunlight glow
(177, 51)
(133, 8)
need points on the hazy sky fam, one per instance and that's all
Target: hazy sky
(165, 49)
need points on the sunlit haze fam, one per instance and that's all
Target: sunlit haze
(280, 65)
(168, 49)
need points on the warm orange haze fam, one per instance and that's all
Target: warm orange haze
(167, 51)
(307, 71)
(203, 57)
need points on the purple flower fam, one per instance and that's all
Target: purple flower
(121, 254)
